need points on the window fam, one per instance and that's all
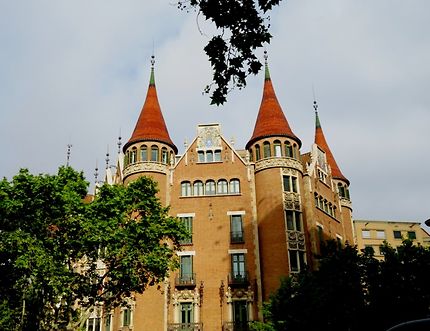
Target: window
(412, 235)
(290, 183)
(185, 189)
(133, 155)
(251, 155)
(154, 153)
(236, 227)
(108, 322)
(186, 269)
(201, 156)
(210, 187)
(266, 149)
(240, 315)
(126, 317)
(380, 234)
(297, 260)
(164, 155)
(198, 188)
(294, 221)
(257, 153)
(209, 156)
(238, 266)
(295, 151)
(143, 153)
(217, 156)
(222, 187)
(188, 223)
(93, 324)
(288, 149)
(320, 231)
(365, 234)
(235, 186)
(397, 234)
(187, 314)
(278, 149)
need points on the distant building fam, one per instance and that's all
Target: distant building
(372, 233)
(256, 215)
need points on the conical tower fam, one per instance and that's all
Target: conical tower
(149, 151)
(275, 149)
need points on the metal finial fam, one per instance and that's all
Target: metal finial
(315, 106)
(152, 60)
(96, 173)
(69, 147)
(107, 157)
(265, 56)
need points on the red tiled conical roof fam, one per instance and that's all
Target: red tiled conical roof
(271, 120)
(151, 125)
(322, 143)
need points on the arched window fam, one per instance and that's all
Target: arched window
(222, 187)
(266, 149)
(217, 156)
(164, 155)
(126, 157)
(143, 153)
(154, 153)
(251, 155)
(133, 157)
(209, 156)
(341, 190)
(257, 153)
(185, 189)
(210, 187)
(288, 149)
(278, 149)
(235, 186)
(171, 158)
(198, 188)
(295, 151)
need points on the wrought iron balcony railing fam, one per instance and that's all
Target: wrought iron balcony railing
(236, 326)
(236, 237)
(185, 280)
(185, 327)
(238, 279)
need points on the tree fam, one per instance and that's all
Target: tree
(350, 289)
(60, 256)
(243, 27)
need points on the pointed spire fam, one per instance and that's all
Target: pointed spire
(151, 125)
(271, 120)
(322, 143)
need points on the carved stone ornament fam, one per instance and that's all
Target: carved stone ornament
(292, 201)
(247, 294)
(296, 240)
(289, 171)
(186, 296)
(209, 136)
(278, 162)
(346, 203)
(145, 167)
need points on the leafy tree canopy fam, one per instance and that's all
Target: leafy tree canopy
(354, 291)
(243, 27)
(60, 255)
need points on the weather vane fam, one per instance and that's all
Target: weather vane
(69, 147)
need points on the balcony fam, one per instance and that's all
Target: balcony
(236, 326)
(238, 279)
(185, 280)
(185, 327)
(236, 237)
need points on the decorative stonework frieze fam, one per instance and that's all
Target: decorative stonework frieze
(290, 171)
(209, 136)
(345, 203)
(296, 240)
(278, 162)
(145, 167)
(179, 296)
(292, 201)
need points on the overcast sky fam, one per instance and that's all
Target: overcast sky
(76, 72)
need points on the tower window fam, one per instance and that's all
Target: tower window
(297, 260)
(164, 155)
(290, 183)
(133, 155)
(278, 149)
(257, 153)
(288, 149)
(293, 220)
(266, 149)
(143, 153)
(154, 153)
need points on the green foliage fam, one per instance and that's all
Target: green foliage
(350, 289)
(59, 256)
(243, 26)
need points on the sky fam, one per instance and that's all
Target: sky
(76, 72)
